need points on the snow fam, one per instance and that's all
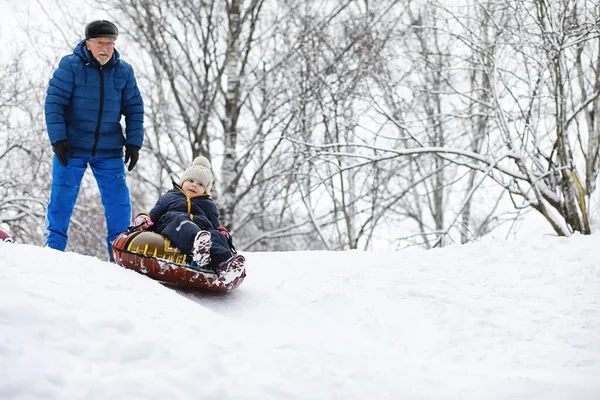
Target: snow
(490, 320)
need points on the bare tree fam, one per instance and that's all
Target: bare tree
(332, 125)
(544, 129)
(528, 61)
(23, 188)
(191, 54)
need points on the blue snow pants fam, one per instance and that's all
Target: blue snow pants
(182, 232)
(66, 180)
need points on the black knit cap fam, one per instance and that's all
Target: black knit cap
(101, 28)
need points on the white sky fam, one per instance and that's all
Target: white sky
(45, 29)
(492, 320)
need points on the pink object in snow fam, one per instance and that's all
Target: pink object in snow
(4, 237)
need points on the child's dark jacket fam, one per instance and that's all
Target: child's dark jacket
(201, 209)
(174, 208)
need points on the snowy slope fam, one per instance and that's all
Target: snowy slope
(492, 320)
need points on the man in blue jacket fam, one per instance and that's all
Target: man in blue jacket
(88, 93)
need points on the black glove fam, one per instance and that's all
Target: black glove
(131, 152)
(61, 148)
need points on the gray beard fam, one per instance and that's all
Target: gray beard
(103, 62)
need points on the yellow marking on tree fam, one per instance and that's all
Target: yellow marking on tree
(581, 199)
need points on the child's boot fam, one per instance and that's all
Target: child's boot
(235, 262)
(201, 249)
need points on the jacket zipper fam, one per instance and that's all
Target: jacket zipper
(188, 201)
(189, 205)
(100, 110)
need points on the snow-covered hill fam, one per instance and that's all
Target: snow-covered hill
(492, 320)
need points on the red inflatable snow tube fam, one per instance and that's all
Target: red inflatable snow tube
(151, 254)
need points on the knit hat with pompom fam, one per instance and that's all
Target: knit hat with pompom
(200, 171)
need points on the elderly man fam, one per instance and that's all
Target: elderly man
(88, 93)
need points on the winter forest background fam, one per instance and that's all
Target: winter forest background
(330, 124)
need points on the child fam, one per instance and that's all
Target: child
(189, 218)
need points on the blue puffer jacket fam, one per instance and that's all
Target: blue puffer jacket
(85, 101)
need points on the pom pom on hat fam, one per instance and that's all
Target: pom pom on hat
(200, 171)
(202, 161)
(101, 29)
